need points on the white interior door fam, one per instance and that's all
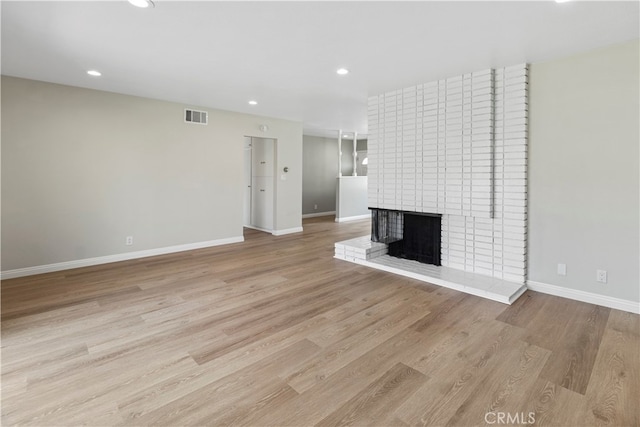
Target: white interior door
(262, 182)
(247, 181)
(263, 156)
(262, 200)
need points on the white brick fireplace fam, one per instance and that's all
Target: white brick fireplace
(458, 147)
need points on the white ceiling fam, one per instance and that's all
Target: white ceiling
(284, 54)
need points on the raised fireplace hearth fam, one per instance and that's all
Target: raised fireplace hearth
(363, 251)
(409, 235)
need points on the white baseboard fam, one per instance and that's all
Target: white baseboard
(257, 228)
(287, 231)
(313, 215)
(87, 262)
(276, 232)
(591, 298)
(353, 218)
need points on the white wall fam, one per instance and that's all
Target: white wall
(351, 198)
(583, 171)
(82, 169)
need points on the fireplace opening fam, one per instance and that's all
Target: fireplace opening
(409, 235)
(386, 225)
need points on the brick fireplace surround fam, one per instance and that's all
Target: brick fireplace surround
(455, 147)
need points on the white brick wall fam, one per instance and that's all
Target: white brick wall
(458, 147)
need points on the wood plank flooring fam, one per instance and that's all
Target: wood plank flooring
(275, 332)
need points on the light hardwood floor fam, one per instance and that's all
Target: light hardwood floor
(274, 331)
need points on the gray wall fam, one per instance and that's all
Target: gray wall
(82, 169)
(319, 172)
(583, 171)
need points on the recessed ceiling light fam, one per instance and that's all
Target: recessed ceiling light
(94, 73)
(562, 1)
(252, 102)
(342, 71)
(142, 3)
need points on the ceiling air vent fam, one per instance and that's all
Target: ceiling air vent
(194, 116)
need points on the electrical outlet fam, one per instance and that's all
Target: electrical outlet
(601, 276)
(562, 269)
(129, 241)
(315, 207)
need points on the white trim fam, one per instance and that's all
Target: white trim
(589, 297)
(87, 262)
(276, 232)
(313, 215)
(353, 218)
(257, 228)
(287, 231)
(352, 176)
